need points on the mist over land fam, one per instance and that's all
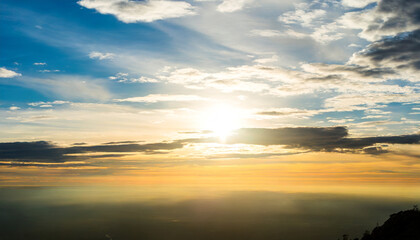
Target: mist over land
(95, 213)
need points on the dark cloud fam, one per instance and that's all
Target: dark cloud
(400, 52)
(316, 139)
(404, 14)
(149, 147)
(335, 71)
(311, 138)
(24, 164)
(40, 151)
(79, 144)
(121, 142)
(355, 143)
(303, 136)
(284, 113)
(389, 18)
(43, 151)
(374, 150)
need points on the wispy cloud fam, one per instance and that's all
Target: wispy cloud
(232, 5)
(153, 98)
(101, 56)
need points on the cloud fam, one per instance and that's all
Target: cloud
(47, 152)
(31, 151)
(124, 77)
(401, 53)
(48, 70)
(48, 104)
(325, 71)
(288, 112)
(5, 73)
(318, 139)
(329, 139)
(68, 87)
(389, 18)
(327, 33)
(153, 98)
(357, 3)
(101, 56)
(40, 64)
(232, 5)
(305, 136)
(143, 79)
(314, 77)
(14, 108)
(248, 78)
(275, 33)
(250, 155)
(351, 101)
(303, 15)
(140, 11)
(266, 33)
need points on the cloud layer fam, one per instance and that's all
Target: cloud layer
(48, 152)
(328, 139)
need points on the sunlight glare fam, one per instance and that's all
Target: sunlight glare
(222, 120)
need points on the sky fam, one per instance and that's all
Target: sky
(301, 96)
(210, 119)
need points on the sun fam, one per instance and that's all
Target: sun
(222, 120)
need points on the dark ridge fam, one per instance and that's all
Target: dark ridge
(404, 225)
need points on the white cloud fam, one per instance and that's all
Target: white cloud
(101, 56)
(140, 11)
(275, 33)
(48, 70)
(5, 73)
(143, 79)
(49, 104)
(354, 45)
(266, 33)
(232, 5)
(153, 98)
(302, 15)
(370, 100)
(316, 17)
(120, 77)
(357, 3)
(124, 77)
(253, 78)
(273, 58)
(14, 108)
(40, 64)
(327, 33)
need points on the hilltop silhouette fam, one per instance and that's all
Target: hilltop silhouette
(404, 225)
